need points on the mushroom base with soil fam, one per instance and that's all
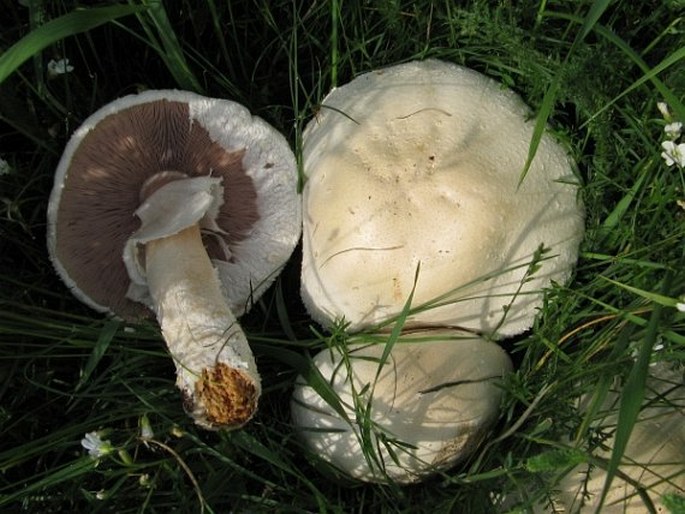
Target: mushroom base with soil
(216, 371)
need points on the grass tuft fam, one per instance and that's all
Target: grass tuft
(593, 71)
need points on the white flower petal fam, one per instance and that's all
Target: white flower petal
(146, 432)
(95, 445)
(668, 146)
(663, 109)
(673, 154)
(89, 442)
(680, 155)
(673, 130)
(4, 167)
(59, 67)
(667, 154)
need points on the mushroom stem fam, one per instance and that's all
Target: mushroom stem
(215, 367)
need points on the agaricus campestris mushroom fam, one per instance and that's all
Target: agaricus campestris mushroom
(653, 461)
(188, 205)
(420, 164)
(414, 191)
(429, 404)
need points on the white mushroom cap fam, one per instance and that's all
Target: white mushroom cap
(419, 164)
(654, 457)
(122, 145)
(429, 405)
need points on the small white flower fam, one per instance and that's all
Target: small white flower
(59, 67)
(144, 480)
(681, 304)
(658, 347)
(95, 445)
(663, 109)
(4, 167)
(681, 204)
(673, 154)
(673, 130)
(146, 432)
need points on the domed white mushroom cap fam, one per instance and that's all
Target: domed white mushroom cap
(420, 164)
(426, 407)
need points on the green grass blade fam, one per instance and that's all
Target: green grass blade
(171, 51)
(217, 25)
(282, 312)
(666, 63)
(108, 332)
(335, 57)
(622, 207)
(660, 299)
(312, 377)
(632, 397)
(55, 30)
(399, 324)
(603, 386)
(593, 15)
(72, 471)
(671, 99)
(249, 443)
(591, 19)
(540, 125)
(674, 503)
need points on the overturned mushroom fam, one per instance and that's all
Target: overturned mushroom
(187, 206)
(414, 191)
